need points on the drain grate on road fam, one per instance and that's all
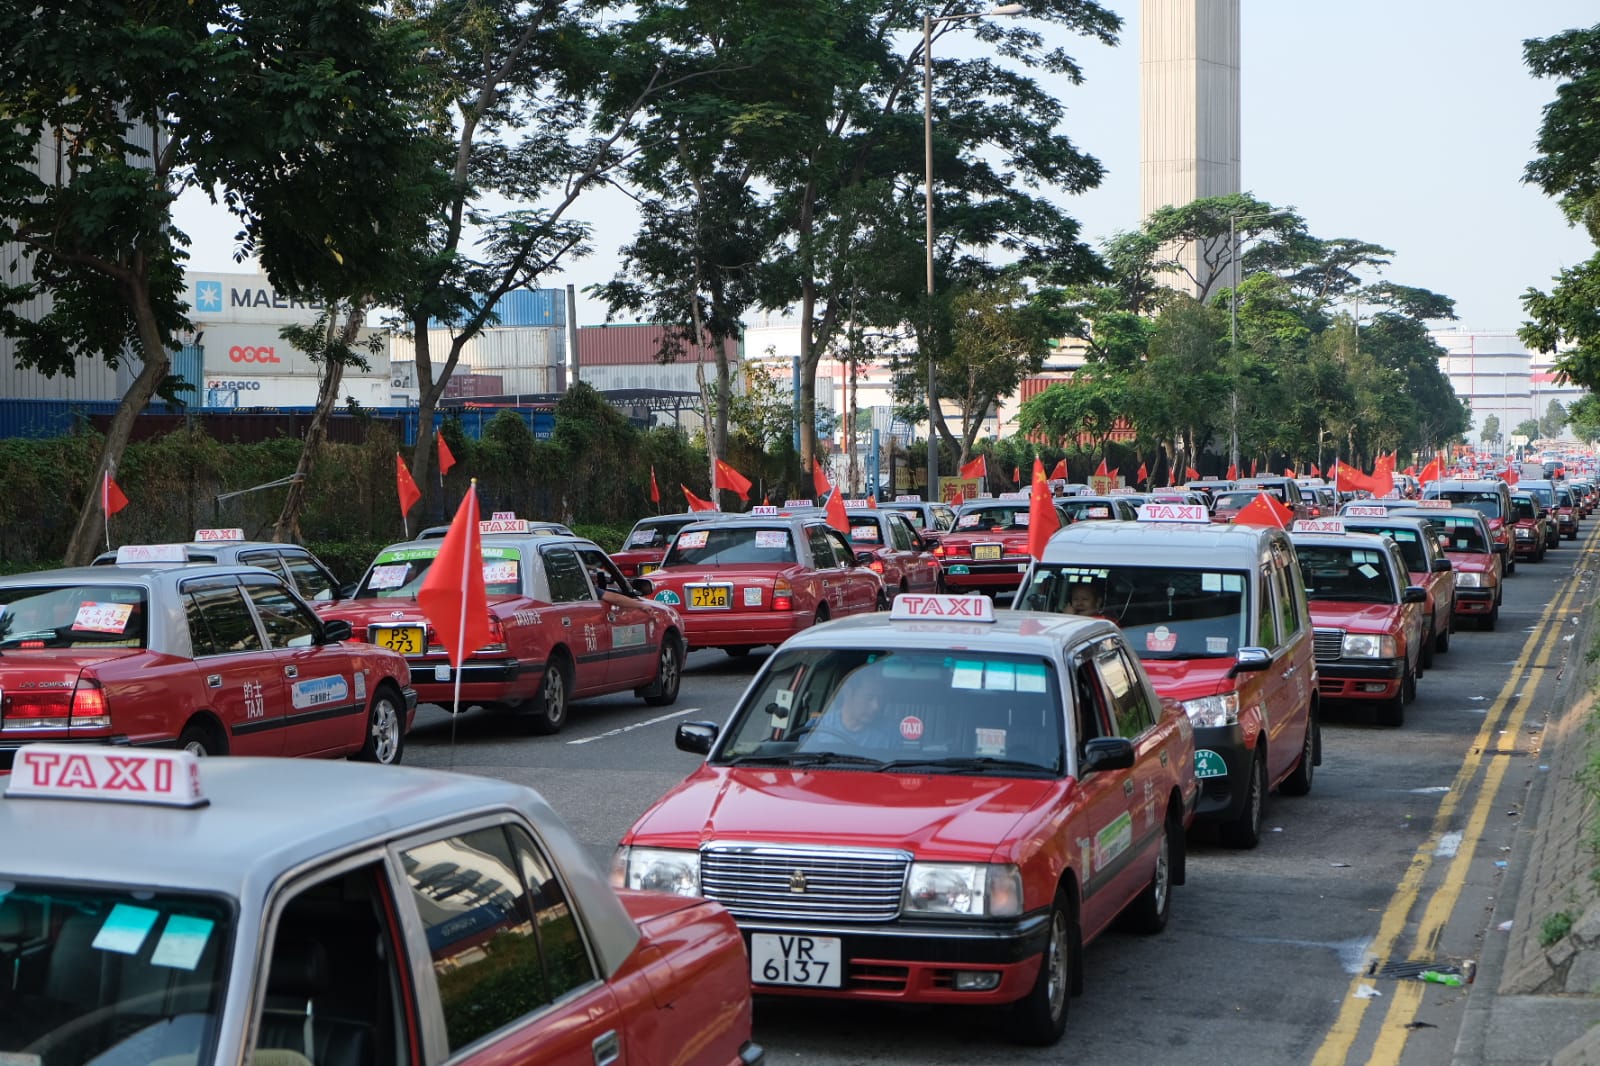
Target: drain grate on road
(1405, 971)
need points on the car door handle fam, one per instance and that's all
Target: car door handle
(291, 671)
(1127, 787)
(213, 681)
(607, 1048)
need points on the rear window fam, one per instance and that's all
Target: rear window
(1087, 510)
(865, 531)
(1167, 612)
(1489, 503)
(398, 573)
(1461, 534)
(1410, 542)
(654, 534)
(995, 519)
(730, 545)
(1522, 509)
(73, 616)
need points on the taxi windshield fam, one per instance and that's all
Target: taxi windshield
(72, 616)
(1409, 540)
(117, 978)
(654, 534)
(1167, 612)
(892, 710)
(1522, 509)
(1347, 575)
(994, 519)
(730, 545)
(1460, 534)
(1080, 510)
(398, 573)
(1487, 502)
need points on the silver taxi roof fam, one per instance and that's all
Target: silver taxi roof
(148, 574)
(1021, 632)
(1374, 541)
(1183, 544)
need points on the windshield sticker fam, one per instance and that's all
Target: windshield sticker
(1408, 536)
(967, 675)
(1002, 677)
(642, 537)
(1030, 677)
(990, 742)
(1160, 639)
(1210, 582)
(501, 572)
(1363, 557)
(1020, 518)
(389, 576)
(785, 698)
(182, 941)
(102, 618)
(1099, 512)
(911, 727)
(752, 596)
(1217, 645)
(695, 538)
(1232, 583)
(125, 928)
(1368, 571)
(866, 533)
(771, 538)
(967, 521)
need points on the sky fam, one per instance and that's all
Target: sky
(1406, 123)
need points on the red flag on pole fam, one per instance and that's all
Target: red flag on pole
(1430, 472)
(1101, 471)
(837, 518)
(819, 480)
(655, 490)
(453, 597)
(1314, 471)
(978, 468)
(447, 458)
(1144, 475)
(1252, 468)
(1016, 475)
(695, 502)
(1264, 510)
(111, 498)
(1043, 520)
(405, 486)
(1113, 472)
(1193, 474)
(1057, 474)
(730, 479)
(1233, 472)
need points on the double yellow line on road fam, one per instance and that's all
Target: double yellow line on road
(1507, 713)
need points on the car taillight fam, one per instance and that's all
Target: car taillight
(89, 706)
(35, 709)
(938, 551)
(1316, 512)
(782, 595)
(497, 636)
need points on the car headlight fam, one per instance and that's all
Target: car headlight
(1469, 581)
(1369, 646)
(1212, 710)
(1524, 534)
(963, 889)
(671, 870)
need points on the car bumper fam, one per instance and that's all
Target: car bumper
(918, 962)
(998, 575)
(729, 629)
(10, 745)
(487, 681)
(1375, 680)
(1475, 601)
(1222, 796)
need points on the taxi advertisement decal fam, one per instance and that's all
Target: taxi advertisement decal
(361, 685)
(627, 636)
(319, 692)
(1113, 840)
(1208, 763)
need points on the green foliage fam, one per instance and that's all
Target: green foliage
(1554, 420)
(1555, 927)
(1490, 433)
(1528, 427)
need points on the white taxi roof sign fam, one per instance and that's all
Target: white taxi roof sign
(1435, 504)
(855, 505)
(503, 516)
(206, 535)
(1174, 512)
(152, 553)
(1318, 525)
(768, 509)
(1357, 510)
(799, 503)
(117, 775)
(927, 606)
(912, 498)
(502, 525)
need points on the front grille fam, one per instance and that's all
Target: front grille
(818, 884)
(1327, 645)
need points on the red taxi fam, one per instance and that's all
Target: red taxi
(1464, 536)
(987, 551)
(900, 555)
(743, 582)
(215, 659)
(1529, 529)
(1227, 504)
(566, 626)
(1218, 617)
(1426, 564)
(296, 565)
(648, 541)
(1367, 620)
(942, 805)
(1490, 496)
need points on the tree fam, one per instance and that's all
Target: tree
(1584, 415)
(1554, 420)
(131, 105)
(1528, 429)
(1490, 434)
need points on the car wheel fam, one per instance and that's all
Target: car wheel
(1441, 641)
(550, 706)
(1408, 686)
(939, 585)
(1392, 711)
(1148, 912)
(669, 674)
(1298, 783)
(201, 740)
(1041, 1015)
(1245, 831)
(386, 728)
(1487, 622)
(1429, 642)
(737, 653)
(883, 602)
(1511, 567)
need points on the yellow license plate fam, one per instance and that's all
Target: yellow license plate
(407, 640)
(648, 568)
(706, 597)
(987, 551)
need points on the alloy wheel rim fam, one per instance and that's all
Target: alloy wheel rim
(385, 731)
(1057, 983)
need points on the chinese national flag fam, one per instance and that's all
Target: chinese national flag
(1043, 520)
(730, 479)
(1194, 475)
(1144, 475)
(1511, 475)
(1314, 471)
(452, 596)
(1430, 472)
(1289, 472)
(1101, 471)
(1252, 468)
(1016, 476)
(695, 502)
(1233, 472)
(111, 498)
(1412, 470)
(447, 458)
(655, 490)
(978, 468)
(1058, 474)
(406, 486)
(837, 518)
(1264, 510)
(819, 480)
(872, 503)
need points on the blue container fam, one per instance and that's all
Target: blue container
(526, 307)
(188, 363)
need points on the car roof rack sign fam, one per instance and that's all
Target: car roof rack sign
(116, 775)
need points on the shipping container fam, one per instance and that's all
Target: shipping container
(634, 344)
(530, 381)
(301, 391)
(526, 307)
(217, 298)
(459, 384)
(188, 364)
(506, 349)
(673, 377)
(1032, 387)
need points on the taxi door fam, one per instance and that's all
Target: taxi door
(861, 583)
(830, 575)
(327, 709)
(577, 617)
(628, 637)
(1287, 683)
(239, 675)
(1105, 841)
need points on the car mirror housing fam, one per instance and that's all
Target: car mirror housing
(1108, 753)
(1251, 660)
(696, 738)
(335, 630)
(1415, 594)
(1443, 566)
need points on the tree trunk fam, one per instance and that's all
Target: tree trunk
(428, 394)
(287, 529)
(85, 542)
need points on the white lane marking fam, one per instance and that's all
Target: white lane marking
(636, 725)
(1430, 790)
(1449, 844)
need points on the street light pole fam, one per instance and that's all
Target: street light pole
(928, 20)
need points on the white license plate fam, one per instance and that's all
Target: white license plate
(795, 959)
(441, 673)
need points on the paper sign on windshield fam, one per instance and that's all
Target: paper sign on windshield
(102, 618)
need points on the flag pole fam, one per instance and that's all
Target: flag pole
(461, 640)
(105, 503)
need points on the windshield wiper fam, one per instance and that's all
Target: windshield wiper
(806, 758)
(980, 765)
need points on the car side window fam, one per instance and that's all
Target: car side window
(822, 553)
(288, 623)
(1288, 602)
(1131, 713)
(1090, 717)
(503, 938)
(899, 533)
(564, 573)
(314, 583)
(1266, 610)
(842, 548)
(266, 559)
(601, 568)
(220, 623)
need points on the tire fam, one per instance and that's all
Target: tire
(202, 740)
(669, 674)
(1150, 909)
(1244, 832)
(737, 653)
(1487, 622)
(1429, 642)
(1441, 641)
(386, 728)
(1408, 687)
(1298, 783)
(1511, 567)
(1392, 711)
(883, 602)
(1040, 1017)
(550, 710)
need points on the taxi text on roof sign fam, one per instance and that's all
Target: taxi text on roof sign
(1435, 505)
(152, 553)
(920, 607)
(502, 525)
(1367, 511)
(201, 535)
(1174, 512)
(75, 771)
(854, 505)
(799, 503)
(1318, 525)
(768, 509)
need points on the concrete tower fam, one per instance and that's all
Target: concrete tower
(1188, 101)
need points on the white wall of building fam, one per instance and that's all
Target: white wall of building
(1495, 374)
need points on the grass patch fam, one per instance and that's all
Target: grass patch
(1555, 927)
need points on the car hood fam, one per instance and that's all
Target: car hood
(1471, 562)
(1359, 617)
(1187, 679)
(937, 816)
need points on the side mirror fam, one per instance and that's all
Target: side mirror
(335, 630)
(1107, 753)
(864, 558)
(696, 738)
(643, 587)
(1251, 660)
(348, 592)
(1414, 594)
(1443, 566)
